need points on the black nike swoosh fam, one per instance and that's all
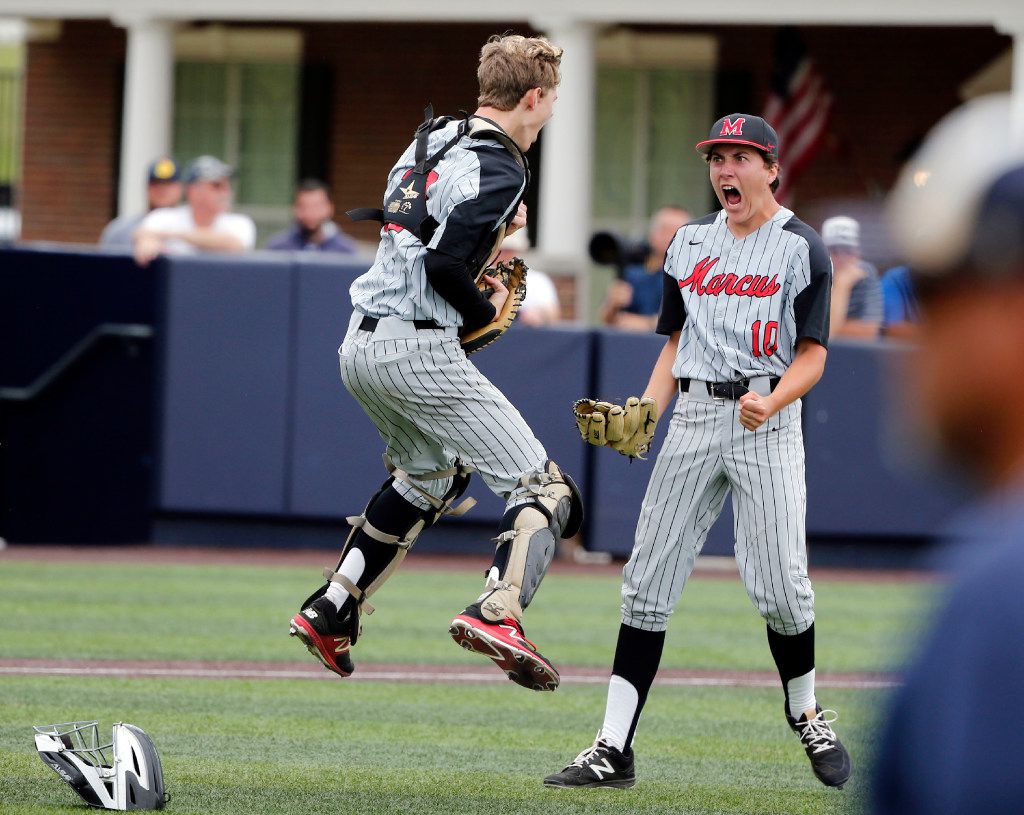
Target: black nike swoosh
(695, 243)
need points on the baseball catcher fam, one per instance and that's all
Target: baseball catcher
(430, 298)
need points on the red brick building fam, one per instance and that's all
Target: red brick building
(349, 93)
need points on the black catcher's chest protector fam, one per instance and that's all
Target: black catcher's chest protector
(406, 207)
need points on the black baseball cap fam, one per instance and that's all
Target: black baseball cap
(742, 128)
(163, 169)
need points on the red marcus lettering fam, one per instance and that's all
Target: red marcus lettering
(730, 284)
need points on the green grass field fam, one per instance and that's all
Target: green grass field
(274, 746)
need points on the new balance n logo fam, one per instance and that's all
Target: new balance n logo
(602, 769)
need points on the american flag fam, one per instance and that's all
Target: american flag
(799, 108)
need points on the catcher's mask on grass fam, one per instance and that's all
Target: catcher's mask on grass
(122, 774)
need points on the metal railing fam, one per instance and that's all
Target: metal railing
(133, 331)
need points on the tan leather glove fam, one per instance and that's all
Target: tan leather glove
(626, 428)
(512, 274)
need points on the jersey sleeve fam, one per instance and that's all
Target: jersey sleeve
(448, 277)
(673, 312)
(811, 305)
(478, 203)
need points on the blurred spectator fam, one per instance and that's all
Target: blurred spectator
(901, 313)
(856, 290)
(203, 224)
(954, 733)
(314, 228)
(541, 306)
(163, 189)
(633, 302)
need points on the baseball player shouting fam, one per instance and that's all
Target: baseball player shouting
(450, 200)
(746, 312)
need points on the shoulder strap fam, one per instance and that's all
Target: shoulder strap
(423, 164)
(422, 134)
(480, 127)
(366, 214)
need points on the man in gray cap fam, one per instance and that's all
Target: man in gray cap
(203, 224)
(856, 309)
(163, 189)
(954, 732)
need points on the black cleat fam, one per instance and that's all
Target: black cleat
(829, 759)
(325, 636)
(598, 766)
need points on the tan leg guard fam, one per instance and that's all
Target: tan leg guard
(529, 533)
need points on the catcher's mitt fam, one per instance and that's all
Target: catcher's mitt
(512, 273)
(627, 428)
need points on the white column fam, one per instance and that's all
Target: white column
(1014, 27)
(148, 100)
(567, 160)
(1017, 86)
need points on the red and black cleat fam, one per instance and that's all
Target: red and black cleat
(504, 643)
(320, 630)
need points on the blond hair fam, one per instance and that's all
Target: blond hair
(510, 65)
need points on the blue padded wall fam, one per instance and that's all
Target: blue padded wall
(227, 389)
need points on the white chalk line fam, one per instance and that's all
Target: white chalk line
(430, 677)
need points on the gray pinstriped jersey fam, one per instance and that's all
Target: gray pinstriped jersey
(745, 302)
(396, 284)
(741, 306)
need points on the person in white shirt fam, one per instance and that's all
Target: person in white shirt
(541, 305)
(202, 224)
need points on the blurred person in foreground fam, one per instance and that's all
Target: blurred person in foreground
(954, 732)
(856, 291)
(541, 306)
(314, 228)
(203, 224)
(633, 301)
(163, 189)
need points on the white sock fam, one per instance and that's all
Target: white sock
(352, 567)
(801, 694)
(619, 712)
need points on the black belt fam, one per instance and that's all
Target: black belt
(728, 390)
(370, 324)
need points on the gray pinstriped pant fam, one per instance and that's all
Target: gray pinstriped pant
(705, 454)
(431, 405)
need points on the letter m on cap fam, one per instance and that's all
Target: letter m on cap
(731, 128)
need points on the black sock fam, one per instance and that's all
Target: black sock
(637, 656)
(393, 515)
(502, 552)
(793, 655)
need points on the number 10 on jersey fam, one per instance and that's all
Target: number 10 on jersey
(770, 343)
